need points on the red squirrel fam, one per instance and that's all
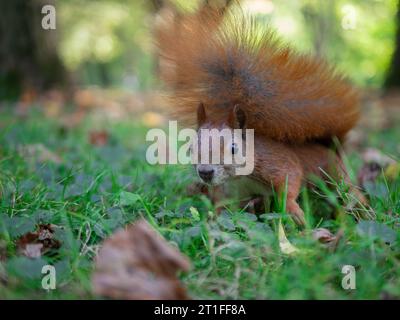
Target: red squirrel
(228, 71)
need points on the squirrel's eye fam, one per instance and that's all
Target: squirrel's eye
(234, 148)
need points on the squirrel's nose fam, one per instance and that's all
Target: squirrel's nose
(206, 174)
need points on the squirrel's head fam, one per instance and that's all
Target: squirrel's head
(220, 147)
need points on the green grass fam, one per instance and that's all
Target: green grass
(234, 255)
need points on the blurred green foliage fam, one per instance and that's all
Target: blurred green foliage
(356, 36)
(109, 42)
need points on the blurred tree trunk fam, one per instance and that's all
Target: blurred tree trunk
(28, 53)
(393, 75)
(156, 5)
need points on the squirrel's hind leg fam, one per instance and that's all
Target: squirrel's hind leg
(293, 190)
(297, 213)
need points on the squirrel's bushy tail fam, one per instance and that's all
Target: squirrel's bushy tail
(224, 60)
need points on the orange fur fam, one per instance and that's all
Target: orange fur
(276, 163)
(222, 61)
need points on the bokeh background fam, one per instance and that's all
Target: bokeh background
(109, 44)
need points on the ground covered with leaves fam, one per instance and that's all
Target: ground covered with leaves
(65, 189)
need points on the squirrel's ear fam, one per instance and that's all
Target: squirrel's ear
(201, 114)
(239, 118)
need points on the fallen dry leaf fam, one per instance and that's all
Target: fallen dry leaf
(99, 138)
(371, 155)
(38, 243)
(284, 244)
(374, 163)
(326, 237)
(369, 172)
(137, 263)
(323, 235)
(86, 98)
(33, 250)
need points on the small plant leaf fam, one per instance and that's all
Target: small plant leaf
(128, 198)
(17, 226)
(25, 268)
(378, 230)
(195, 214)
(225, 221)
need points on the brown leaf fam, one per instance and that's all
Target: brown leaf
(72, 120)
(369, 172)
(33, 250)
(326, 237)
(98, 138)
(86, 98)
(323, 235)
(38, 243)
(372, 155)
(137, 263)
(374, 162)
